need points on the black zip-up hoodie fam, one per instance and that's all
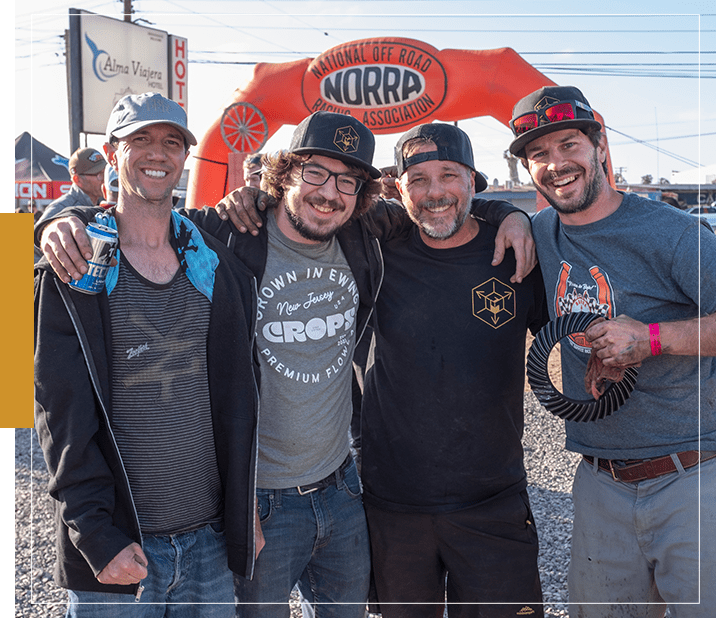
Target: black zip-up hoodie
(95, 515)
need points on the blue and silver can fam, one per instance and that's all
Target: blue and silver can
(104, 242)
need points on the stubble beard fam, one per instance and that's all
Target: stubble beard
(588, 197)
(306, 232)
(432, 231)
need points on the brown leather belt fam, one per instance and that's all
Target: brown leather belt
(633, 470)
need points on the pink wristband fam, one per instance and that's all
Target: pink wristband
(654, 339)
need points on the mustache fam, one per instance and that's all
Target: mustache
(319, 200)
(442, 202)
(565, 172)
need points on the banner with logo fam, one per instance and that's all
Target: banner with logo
(390, 84)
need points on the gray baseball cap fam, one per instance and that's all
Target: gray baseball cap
(135, 111)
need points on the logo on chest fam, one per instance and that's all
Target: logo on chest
(494, 303)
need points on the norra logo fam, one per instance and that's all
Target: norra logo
(372, 85)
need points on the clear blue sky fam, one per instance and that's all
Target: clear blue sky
(637, 63)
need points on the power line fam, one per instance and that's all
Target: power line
(659, 150)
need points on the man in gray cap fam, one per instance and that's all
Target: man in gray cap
(146, 399)
(645, 492)
(86, 168)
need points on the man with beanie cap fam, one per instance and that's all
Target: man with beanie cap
(645, 492)
(443, 474)
(86, 168)
(146, 402)
(319, 268)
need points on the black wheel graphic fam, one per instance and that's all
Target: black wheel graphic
(557, 403)
(244, 128)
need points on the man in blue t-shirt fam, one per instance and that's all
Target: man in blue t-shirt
(647, 485)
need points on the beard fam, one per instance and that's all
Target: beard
(309, 233)
(442, 232)
(586, 199)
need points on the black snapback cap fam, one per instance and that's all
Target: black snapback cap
(338, 136)
(545, 97)
(452, 143)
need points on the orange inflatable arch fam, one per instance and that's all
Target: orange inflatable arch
(389, 84)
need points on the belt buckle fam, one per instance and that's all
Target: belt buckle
(611, 469)
(301, 492)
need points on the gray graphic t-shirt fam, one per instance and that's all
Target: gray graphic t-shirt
(305, 339)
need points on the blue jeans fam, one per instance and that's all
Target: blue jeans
(319, 540)
(188, 577)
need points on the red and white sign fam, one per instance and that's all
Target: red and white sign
(179, 68)
(41, 189)
(384, 83)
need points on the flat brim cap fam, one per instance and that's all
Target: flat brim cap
(452, 143)
(136, 111)
(86, 161)
(337, 136)
(543, 97)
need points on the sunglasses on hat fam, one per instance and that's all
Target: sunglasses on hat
(557, 112)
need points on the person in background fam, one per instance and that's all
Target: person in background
(252, 170)
(86, 168)
(645, 491)
(110, 187)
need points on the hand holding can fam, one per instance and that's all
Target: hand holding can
(104, 242)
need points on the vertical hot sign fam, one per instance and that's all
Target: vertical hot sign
(178, 69)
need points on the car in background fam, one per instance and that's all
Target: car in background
(705, 212)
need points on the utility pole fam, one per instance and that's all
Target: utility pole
(128, 11)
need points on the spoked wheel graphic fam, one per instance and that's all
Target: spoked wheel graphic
(244, 128)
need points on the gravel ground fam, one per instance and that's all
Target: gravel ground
(549, 467)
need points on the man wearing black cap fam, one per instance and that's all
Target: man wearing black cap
(645, 492)
(86, 168)
(145, 397)
(318, 278)
(443, 474)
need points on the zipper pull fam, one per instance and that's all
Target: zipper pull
(139, 593)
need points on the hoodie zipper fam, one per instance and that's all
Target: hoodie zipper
(94, 378)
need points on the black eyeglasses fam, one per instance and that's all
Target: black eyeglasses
(317, 176)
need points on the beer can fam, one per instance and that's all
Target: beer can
(104, 242)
